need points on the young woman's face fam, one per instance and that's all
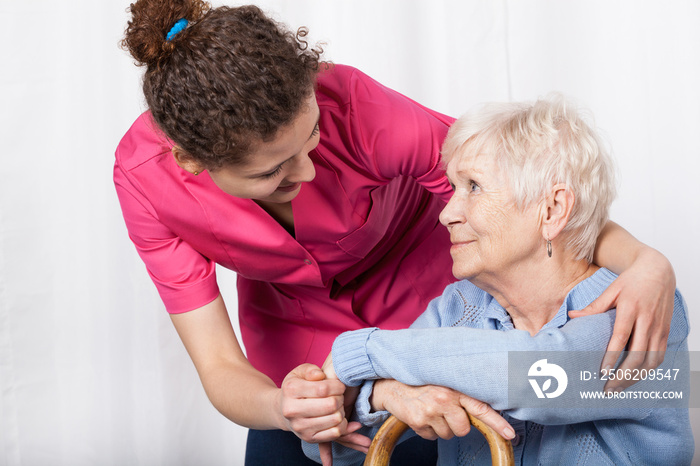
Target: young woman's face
(275, 170)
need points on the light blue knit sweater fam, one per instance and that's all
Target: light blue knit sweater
(463, 341)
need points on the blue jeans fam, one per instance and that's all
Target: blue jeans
(281, 448)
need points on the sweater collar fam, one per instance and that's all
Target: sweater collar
(580, 296)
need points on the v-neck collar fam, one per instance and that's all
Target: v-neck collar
(578, 297)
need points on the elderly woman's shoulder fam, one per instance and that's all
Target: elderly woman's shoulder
(464, 286)
(680, 326)
(462, 299)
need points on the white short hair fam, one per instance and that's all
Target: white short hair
(538, 145)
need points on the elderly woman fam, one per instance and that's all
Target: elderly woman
(532, 187)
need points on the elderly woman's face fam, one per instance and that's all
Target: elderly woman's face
(490, 235)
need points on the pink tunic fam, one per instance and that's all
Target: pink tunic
(368, 251)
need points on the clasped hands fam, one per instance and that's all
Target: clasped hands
(317, 407)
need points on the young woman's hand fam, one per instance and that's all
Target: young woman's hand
(350, 437)
(312, 404)
(644, 297)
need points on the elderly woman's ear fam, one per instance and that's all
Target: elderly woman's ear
(556, 210)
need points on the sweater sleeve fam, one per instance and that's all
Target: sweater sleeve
(475, 361)
(429, 319)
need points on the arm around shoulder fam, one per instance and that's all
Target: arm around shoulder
(643, 295)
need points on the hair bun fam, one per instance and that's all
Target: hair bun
(151, 20)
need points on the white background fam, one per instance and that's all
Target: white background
(91, 370)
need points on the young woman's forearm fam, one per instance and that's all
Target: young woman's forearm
(616, 249)
(233, 385)
(308, 403)
(245, 396)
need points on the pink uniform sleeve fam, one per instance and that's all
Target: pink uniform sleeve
(185, 279)
(397, 136)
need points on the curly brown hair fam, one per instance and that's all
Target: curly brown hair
(232, 78)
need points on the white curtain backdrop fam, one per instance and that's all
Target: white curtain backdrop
(91, 370)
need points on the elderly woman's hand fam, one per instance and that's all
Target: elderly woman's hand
(433, 411)
(644, 297)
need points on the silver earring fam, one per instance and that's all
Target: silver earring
(549, 248)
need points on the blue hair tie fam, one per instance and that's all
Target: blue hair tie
(177, 27)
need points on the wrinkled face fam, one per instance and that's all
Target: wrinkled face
(275, 170)
(490, 235)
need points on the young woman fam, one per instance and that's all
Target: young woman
(321, 188)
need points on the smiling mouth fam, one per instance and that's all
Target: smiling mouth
(459, 244)
(290, 188)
